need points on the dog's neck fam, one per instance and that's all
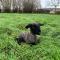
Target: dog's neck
(32, 33)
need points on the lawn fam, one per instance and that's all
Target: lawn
(48, 47)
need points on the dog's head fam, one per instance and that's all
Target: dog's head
(35, 28)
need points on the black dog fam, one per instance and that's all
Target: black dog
(30, 37)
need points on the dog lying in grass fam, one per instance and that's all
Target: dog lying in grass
(30, 37)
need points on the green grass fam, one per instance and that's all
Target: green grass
(12, 24)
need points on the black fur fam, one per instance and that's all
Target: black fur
(35, 28)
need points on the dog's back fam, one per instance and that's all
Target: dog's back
(27, 37)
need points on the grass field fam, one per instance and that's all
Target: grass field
(48, 47)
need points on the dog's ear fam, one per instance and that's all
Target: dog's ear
(40, 24)
(28, 26)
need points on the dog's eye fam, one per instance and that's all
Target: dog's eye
(33, 27)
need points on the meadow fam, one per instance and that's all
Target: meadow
(48, 48)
